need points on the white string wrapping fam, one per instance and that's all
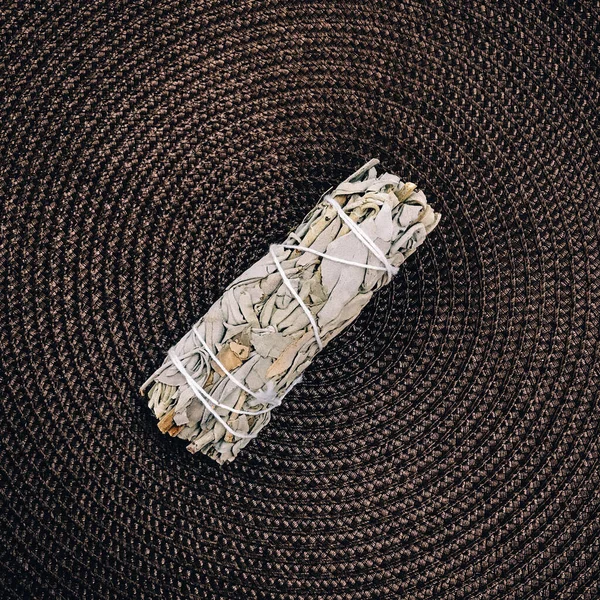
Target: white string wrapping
(363, 237)
(204, 397)
(279, 336)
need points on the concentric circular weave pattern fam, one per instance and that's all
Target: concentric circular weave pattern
(446, 446)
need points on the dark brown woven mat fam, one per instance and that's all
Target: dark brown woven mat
(446, 446)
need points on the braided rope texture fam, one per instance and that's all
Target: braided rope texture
(446, 445)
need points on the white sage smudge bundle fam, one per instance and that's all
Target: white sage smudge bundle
(219, 383)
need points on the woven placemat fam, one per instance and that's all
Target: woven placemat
(446, 445)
